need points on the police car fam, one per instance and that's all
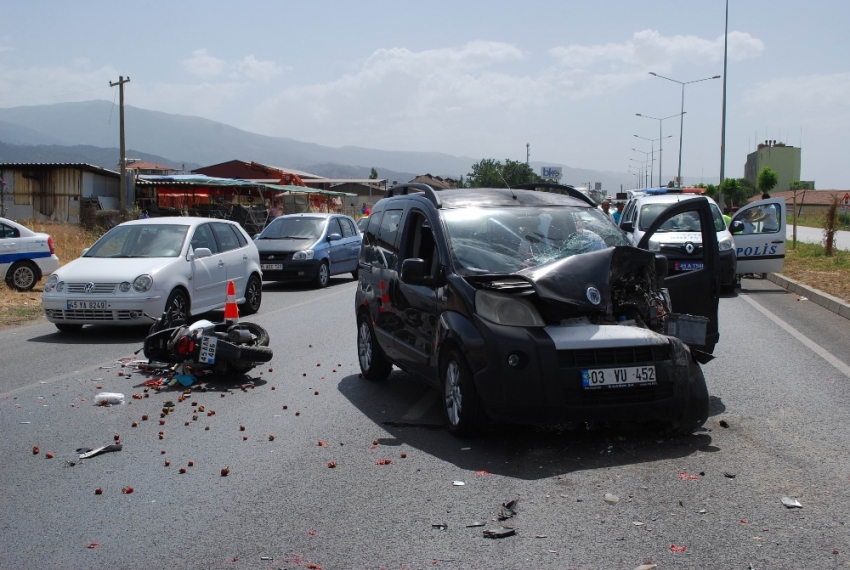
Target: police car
(25, 256)
(679, 239)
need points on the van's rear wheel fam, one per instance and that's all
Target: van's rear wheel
(373, 363)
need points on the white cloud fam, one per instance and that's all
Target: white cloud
(811, 99)
(398, 91)
(202, 64)
(649, 48)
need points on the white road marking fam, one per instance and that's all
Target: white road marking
(809, 343)
(421, 407)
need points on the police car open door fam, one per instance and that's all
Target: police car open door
(759, 233)
(692, 292)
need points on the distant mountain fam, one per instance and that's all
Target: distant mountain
(104, 157)
(201, 141)
(330, 170)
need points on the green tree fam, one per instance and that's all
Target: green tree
(767, 180)
(491, 173)
(731, 189)
(374, 174)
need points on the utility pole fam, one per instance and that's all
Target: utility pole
(723, 120)
(527, 152)
(122, 184)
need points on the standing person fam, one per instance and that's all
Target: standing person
(606, 207)
(275, 211)
(618, 214)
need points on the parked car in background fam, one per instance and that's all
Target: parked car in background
(309, 247)
(25, 256)
(142, 268)
(532, 307)
(362, 223)
(679, 239)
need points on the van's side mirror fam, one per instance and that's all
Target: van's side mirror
(334, 237)
(736, 227)
(202, 252)
(413, 271)
(627, 227)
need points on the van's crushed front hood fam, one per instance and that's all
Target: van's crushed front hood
(583, 281)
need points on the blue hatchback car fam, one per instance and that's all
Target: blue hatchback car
(309, 247)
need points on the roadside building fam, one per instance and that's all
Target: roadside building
(783, 159)
(243, 170)
(809, 202)
(138, 167)
(436, 182)
(56, 192)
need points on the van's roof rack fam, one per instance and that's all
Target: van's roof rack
(563, 187)
(414, 188)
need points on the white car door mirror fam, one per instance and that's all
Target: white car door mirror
(202, 252)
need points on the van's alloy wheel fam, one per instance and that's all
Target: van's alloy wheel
(465, 415)
(373, 363)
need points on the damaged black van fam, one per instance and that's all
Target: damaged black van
(528, 305)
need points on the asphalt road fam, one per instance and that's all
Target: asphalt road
(781, 380)
(815, 235)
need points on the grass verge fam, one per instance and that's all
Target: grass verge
(808, 265)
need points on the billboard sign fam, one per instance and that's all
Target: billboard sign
(597, 186)
(551, 172)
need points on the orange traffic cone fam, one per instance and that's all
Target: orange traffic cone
(231, 310)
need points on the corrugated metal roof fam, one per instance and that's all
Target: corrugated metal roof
(346, 180)
(78, 165)
(300, 173)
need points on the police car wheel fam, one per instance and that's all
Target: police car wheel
(22, 276)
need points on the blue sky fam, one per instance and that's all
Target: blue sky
(479, 79)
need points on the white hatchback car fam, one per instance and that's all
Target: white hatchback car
(25, 255)
(142, 268)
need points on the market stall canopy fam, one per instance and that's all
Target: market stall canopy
(303, 190)
(199, 179)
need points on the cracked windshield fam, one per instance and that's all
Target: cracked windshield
(505, 240)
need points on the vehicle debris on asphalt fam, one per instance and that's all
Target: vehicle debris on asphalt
(611, 499)
(109, 399)
(87, 452)
(791, 503)
(508, 509)
(500, 532)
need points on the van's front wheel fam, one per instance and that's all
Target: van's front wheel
(464, 414)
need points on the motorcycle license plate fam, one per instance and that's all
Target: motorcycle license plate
(208, 346)
(72, 305)
(592, 378)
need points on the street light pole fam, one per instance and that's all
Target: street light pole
(653, 141)
(723, 123)
(660, 138)
(646, 155)
(682, 114)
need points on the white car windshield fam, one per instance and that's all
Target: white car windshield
(140, 240)
(684, 222)
(294, 228)
(505, 240)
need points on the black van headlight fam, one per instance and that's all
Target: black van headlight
(507, 310)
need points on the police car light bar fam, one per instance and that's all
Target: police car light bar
(659, 191)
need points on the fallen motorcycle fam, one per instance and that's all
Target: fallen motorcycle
(222, 348)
